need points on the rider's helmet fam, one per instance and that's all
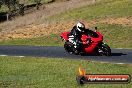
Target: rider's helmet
(80, 27)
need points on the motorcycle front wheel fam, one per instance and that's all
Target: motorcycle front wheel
(104, 50)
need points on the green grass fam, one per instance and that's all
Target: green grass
(52, 40)
(102, 9)
(117, 36)
(31, 72)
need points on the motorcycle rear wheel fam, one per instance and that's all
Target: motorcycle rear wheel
(69, 47)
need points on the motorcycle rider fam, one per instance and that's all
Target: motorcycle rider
(76, 34)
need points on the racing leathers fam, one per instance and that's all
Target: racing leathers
(75, 38)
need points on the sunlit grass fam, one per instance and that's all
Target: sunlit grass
(32, 72)
(102, 9)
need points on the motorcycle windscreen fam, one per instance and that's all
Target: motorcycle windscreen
(90, 48)
(64, 35)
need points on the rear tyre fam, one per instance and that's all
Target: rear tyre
(68, 47)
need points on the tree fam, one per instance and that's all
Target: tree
(1, 3)
(37, 3)
(21, 9)
(11, 4)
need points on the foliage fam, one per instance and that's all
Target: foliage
(11, 4)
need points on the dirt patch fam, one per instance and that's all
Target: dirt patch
(36, 31)
(38, 17)
(39, 30)
(121, 21)
(23, 27)
(32, 31)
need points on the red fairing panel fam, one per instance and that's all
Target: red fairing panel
(65, 35)
(93, 45)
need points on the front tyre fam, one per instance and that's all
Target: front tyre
(104, 50)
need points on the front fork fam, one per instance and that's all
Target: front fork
(103, 44)
(100, 45)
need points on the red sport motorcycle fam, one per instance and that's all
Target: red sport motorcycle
(96, 45)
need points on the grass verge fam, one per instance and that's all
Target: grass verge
(102, 9)
(117, 36)
(31, 72)
(51, 40)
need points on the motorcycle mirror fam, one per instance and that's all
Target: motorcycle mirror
(95, 29)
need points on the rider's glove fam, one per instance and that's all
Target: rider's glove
(88, 41)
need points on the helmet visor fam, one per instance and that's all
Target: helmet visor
(81, 28)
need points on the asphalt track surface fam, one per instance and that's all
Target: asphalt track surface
(118, 55)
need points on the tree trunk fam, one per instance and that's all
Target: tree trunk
(7, 16)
